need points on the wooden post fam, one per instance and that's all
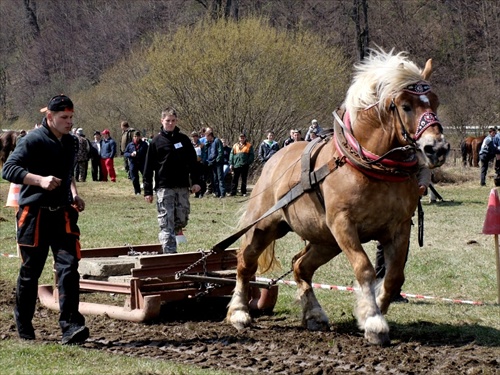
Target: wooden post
(492, 226)
(497, 256)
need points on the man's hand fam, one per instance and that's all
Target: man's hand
(148, 198)
(49, 182)
(421, 190)
(79, 204)
(195, 188)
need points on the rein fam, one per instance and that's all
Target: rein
(309, 180)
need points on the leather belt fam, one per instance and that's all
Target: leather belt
(52, 208)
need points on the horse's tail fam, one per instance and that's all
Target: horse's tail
(267, 260)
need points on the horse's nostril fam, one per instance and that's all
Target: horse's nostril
(429, 149)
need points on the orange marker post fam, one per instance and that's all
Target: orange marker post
(492, 226)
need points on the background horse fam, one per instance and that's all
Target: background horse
(476, 147)
(470, 147)
(361, 197)
(7, 145)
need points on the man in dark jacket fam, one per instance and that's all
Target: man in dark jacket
(215, 162)
(268, 148)
(95, 157)
(48, 213)
(171, 160)
(126, 138)
(108, 152)
(136, 153)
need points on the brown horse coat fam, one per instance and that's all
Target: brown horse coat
(470, 147)
(349, 207)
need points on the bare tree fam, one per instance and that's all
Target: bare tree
(221, 8)
(30, 8)
(360, 18)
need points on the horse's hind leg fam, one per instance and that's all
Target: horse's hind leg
(305, 264)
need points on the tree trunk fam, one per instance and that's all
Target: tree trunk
(361, 21)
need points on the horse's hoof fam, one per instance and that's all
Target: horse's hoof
(378, 338)
(315, 320)
(317, 325)
(377, 330)
(240, 320)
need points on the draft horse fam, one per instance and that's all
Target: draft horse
(470, 147)
(363, 187)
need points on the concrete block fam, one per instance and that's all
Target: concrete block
(105, 267)
(123, 279)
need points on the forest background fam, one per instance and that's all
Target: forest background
(237, 65)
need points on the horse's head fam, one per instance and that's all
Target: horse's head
(415, 108)
(398, 96)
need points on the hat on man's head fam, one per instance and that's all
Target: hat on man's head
(492, 128)
(105, 131)
(79, 131)
(97, 132)
(243, 135)
(59, 103)
(314, 121)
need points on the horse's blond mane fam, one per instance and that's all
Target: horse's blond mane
(379, 77)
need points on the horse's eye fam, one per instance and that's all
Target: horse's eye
(406, 108)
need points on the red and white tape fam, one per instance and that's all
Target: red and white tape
(352, 289)
(10, 255)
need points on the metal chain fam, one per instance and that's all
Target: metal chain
(205, 271)
(204, 256)
(208, 289)
(275, 281)
(132, 252)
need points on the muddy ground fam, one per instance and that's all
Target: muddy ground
(272, 346)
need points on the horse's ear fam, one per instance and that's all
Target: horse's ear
(427, 70)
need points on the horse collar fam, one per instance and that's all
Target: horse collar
(380, 167)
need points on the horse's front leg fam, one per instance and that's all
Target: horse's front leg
(368, 315)
(305, 264)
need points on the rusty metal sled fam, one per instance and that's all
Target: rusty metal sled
(151, 281)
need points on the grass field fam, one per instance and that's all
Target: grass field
(457, 262)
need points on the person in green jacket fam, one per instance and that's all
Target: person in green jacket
(240, 158)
